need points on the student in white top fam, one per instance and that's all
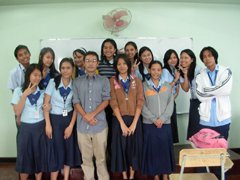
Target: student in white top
(189, 71)
(46, 63)
(214, 86)
(16, 77)
(78, 56)
(60, 122)
(27, 104)
(171, 74)
(145, 57)
(131, 51)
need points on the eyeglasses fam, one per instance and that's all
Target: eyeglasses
(91, 60)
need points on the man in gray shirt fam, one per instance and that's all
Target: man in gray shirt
(91, 94)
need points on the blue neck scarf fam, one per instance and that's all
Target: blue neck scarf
(33, 98)
(147, 76)
(157, 88)
(64, 92)
(81, 72)
(125, 85)
(46, 80)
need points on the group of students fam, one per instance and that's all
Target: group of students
(122, 103)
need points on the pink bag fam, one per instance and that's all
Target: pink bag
(208, 138)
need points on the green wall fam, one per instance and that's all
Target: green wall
(207, 24)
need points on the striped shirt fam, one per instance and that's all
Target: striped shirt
(106, 68)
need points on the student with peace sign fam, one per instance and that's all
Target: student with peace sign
(27, 103)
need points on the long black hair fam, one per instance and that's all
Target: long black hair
(129, 65)
(111, 41)
(166, 58)
(57, 79)
(45, 50)
(28, 73)
(135, 47)
(141, 66)
(192, 67)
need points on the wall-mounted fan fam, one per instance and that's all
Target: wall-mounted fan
(117, 20)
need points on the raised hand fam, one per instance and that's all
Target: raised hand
(177, 75)
(30, 89)
(135, 65)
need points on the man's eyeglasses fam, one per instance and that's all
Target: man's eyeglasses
(91, 60)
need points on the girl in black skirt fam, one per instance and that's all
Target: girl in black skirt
(31, 145)
(63, 151)
(126, 102)
(189, 70)
(158, 155)
(171, 75)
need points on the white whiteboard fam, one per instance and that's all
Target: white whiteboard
(65, 47)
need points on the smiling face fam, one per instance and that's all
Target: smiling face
(185, 60)
(209, 60)
(155, 71)
(122, 66)
(146, 57)
(78, 59)
(23, 57)
(66, 70)
(47, 59)
(91, 63)
(172, 62)
(35, 77)
(108, 50)
(130, 51)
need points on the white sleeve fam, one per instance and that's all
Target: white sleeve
(224, 86)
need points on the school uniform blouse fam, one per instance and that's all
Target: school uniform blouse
(46, 80)
(139, 75)
(127, 103)
(193, 83)
(81, 71)
(31, 113)
(57, 101)
(167, 77)
(16, 77)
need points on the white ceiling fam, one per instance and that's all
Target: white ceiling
(23, 2)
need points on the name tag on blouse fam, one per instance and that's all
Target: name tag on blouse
(65, 113)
